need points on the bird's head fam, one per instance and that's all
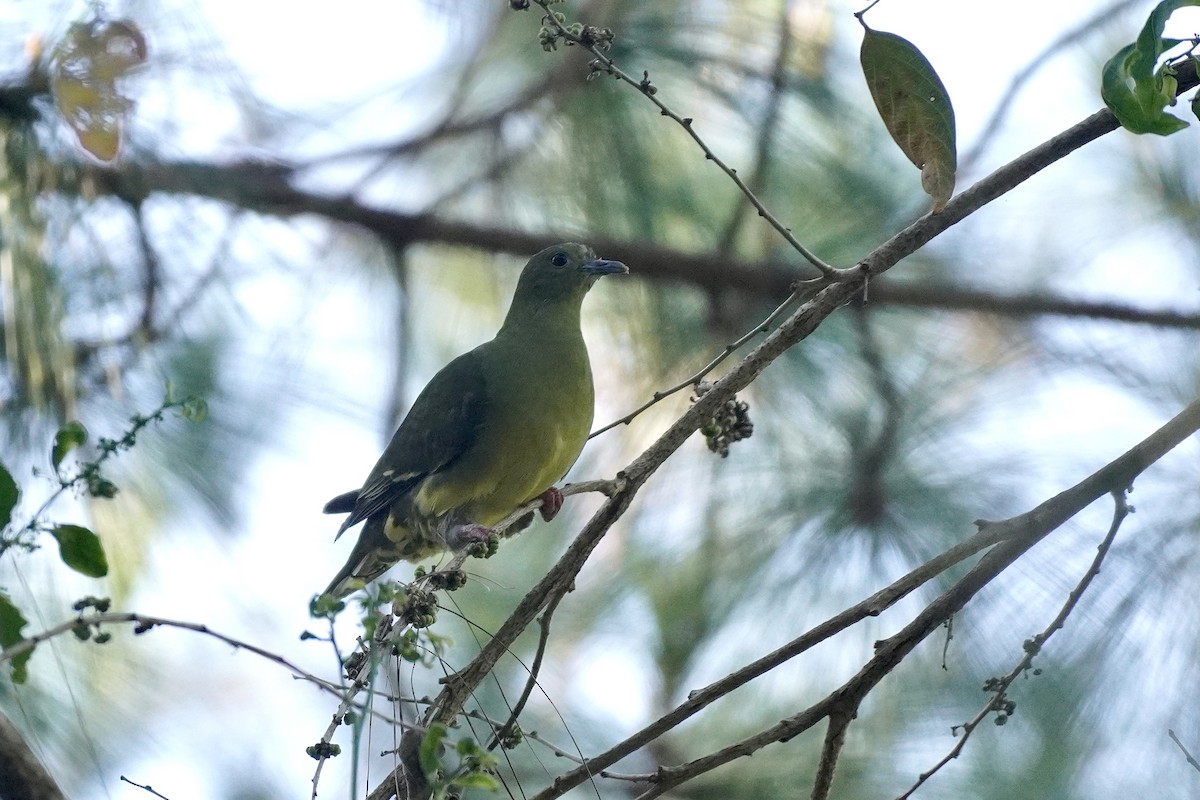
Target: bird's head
(562, 273)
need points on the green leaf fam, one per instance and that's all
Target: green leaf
(1133, 89)
(9, 494)
(80, 550)
(72, 435)
(915, 107)
(11, 622)
(430, 753)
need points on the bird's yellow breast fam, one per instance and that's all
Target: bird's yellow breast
(539, 414)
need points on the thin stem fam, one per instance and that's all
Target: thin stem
(694, 379)
(605, 64)
(505, 730)
(999, 701)
(1019, 535)
(145, 787)
(1190, 759)
(144, 623)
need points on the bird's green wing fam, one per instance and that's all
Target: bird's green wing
(443, 423)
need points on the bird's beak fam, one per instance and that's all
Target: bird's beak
(603, 266)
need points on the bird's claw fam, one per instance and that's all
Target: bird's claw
(462, 536)
(552, 503)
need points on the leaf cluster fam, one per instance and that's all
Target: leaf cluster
(79, 548)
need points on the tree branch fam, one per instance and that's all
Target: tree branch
(999, 686)
(268, 190)
(22, 776)
(1018, 535)
(603, 63)
(144, 623)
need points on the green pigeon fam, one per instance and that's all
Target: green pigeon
(494, 429)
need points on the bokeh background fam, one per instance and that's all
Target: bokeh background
(231, 250)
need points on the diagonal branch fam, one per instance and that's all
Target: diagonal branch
(999, 686)
(603, 63)
(22, 775)
(1018, 535)
(700, 699)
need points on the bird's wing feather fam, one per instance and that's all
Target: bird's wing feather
(342, 504)
(443, 423)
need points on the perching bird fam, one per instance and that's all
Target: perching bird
(493, 430)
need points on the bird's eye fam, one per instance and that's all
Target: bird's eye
(559, 259)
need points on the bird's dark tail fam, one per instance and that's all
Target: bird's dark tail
(371, 557)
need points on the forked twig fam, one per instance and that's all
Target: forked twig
(999, 701)
(798, 292)
(603, 63)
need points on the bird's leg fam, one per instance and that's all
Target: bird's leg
(552, 503)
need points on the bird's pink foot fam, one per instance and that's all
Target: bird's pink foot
(552, 503)
(463, 536)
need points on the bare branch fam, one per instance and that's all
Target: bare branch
(999, 686)
(605, 64)
(22, 776)
(1018, 535)
(145, 787)
(1190, 759)
(143, 623)
(695, 378)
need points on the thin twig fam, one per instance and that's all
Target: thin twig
(1016, 536)
(144, 623)
(88, 470)
(694, 379)
(605, 64)
(535, 667)
(364, 660)
(146, 787)
(999, 701)
(1190, 760)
